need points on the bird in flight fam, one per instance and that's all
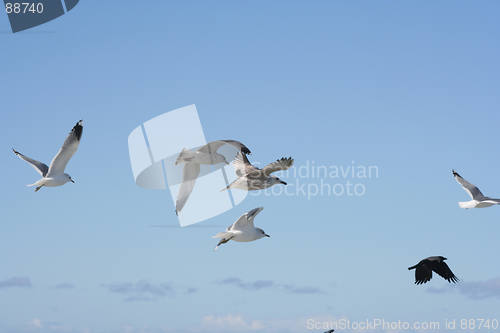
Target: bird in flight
(243, 230)
(478, 199)
(423, 270)
(251, 178)
(54, 175)
(206, 155)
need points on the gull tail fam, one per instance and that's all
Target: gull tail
(222, 234)
(468, 204)
(232, 185)
(38, 183)
(186, 155)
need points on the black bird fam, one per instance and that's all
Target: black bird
(330, 331)
(424, 268)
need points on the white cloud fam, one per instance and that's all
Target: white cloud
(237, 323)
(35, 323)
(229, 323)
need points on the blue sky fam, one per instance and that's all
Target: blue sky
(410, 87)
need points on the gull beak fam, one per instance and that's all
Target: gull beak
(72, 181)
(267, 235)
(284, 183)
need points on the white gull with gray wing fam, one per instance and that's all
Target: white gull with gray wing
(243, 230)
(54, 175)
(478, 199)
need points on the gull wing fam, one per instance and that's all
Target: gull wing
(283, 164)
(242, 166)
(246, 220)
(213, 146)
(190, 172)
(445, 272)
(493, 201)
(473, 191)
(40, 167)
(67, 150)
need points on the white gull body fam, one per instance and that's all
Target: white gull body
(478, 199)
(243, 230)
(54, 175)
(251, 178)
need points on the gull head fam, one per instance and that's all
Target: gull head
(69, 178)
(216, 158)
(261, 233)
(276, 180)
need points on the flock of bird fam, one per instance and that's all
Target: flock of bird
(250, 178)
(436, 264)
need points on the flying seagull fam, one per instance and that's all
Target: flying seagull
(424, 268)
(242, 230)
(252, 178)
(207, 155)
(54, 175)
(478, 199)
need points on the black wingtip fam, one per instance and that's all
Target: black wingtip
(78, 129)
(245, 150)
(455, 173)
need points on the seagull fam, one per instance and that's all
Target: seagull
(242, 230)
(207, 155)
(252, 178)
(424, 268)
(478, 199)
(54, 175)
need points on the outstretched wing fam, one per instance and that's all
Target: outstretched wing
(190, 172)
(423, 274)
(242, 166)
(445, 272)
(283, 164)
(246, 220)
(40, 167)
(67, 150)
(468, 187)
(212, 147)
